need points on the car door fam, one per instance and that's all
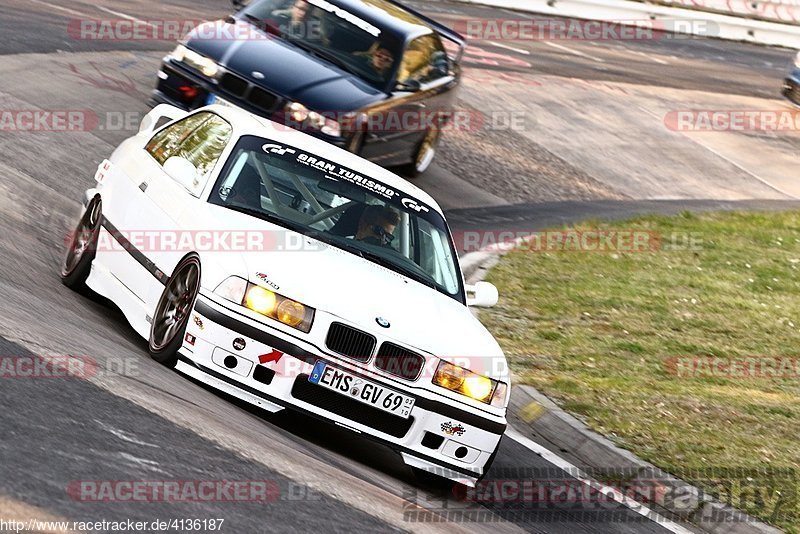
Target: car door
(424, 90)
(161, 201)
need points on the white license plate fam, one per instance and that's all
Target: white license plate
(360, 389)
(214, 99)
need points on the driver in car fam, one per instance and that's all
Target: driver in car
(377, 225)
(379, 60)
(301, 20)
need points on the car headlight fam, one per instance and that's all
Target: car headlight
(197, 61)
(473, 385)
(797, 60)
(266, 302)
(305, 118)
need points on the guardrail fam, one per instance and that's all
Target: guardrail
(675, 19)
(784, 11)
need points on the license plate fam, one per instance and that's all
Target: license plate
(362, 390)
(214, 99)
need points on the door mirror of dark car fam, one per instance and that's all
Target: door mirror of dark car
(182, 171)
(409, 86)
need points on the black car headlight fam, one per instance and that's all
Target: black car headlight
(305, 118)
(196, 61)
(266, 302)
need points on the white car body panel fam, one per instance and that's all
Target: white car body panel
(341, 287)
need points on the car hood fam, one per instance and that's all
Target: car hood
(348, 287)
(287, 70)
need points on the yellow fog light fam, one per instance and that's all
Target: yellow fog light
(291, 312)
(260, 300)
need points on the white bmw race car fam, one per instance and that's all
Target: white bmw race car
(292, 274)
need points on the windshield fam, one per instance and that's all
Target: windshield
(341, 207)
(341, 37)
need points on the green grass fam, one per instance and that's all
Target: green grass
(596, 332)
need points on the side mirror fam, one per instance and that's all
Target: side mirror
(182, 171)
(482, 295)
(239, 4)
(409, 86)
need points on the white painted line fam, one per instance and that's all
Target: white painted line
(748, 171)
(506, 47)
(624, 500)
(61, 8)
(124, 16)
(729, 160)
(648, 56)
(572, 51)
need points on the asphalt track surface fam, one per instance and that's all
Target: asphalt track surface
(140, 421)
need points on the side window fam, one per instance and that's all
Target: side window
(200, 138)
(425, 60)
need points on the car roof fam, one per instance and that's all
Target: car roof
(388, 16)
(246, 123)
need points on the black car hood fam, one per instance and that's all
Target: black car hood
(288, 71)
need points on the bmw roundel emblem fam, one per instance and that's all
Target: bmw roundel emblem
(382, 322)
(258, 75)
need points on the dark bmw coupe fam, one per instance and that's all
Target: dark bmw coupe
(372, 76)
(791, 85)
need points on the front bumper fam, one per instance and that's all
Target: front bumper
(185, 89)
(424, 439)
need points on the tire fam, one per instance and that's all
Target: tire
(424, 154)
(82, 247)
(356, 142)
(173, 310)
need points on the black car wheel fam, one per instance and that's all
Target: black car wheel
(82, 247)
(173, 310)
(424, 155)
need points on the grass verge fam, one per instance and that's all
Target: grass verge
(685, 355)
